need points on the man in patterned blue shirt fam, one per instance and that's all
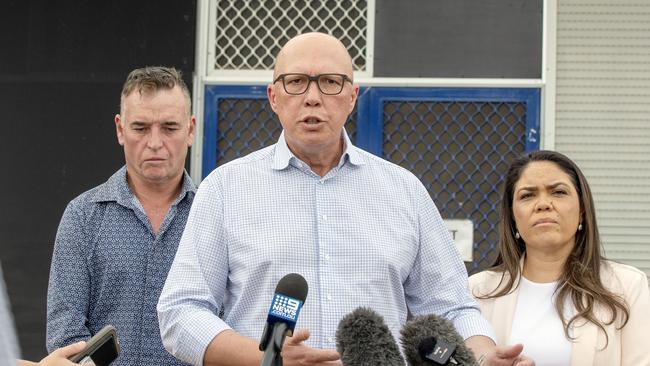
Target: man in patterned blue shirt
(116, 242)
(361, 230)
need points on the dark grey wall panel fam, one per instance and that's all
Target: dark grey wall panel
(62, 64)
(458, 38)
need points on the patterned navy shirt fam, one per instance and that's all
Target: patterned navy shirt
(109, 267)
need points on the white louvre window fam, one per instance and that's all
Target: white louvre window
(603, 115)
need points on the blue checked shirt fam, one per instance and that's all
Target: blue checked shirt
(366, 234)
(109, 267)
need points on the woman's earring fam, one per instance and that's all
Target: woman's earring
(517, 236)
(579, 226)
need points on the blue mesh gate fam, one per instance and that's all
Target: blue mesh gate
(457, 141)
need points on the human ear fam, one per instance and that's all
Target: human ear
(119, 129)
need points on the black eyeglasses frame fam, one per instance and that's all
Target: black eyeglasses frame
(310, 79)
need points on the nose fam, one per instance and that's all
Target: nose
(544, 203)
(313, 95)
(155, 138)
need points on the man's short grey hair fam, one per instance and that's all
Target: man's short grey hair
(151, 79)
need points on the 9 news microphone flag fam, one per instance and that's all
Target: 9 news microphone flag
(290, 295)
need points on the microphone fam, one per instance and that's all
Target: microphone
(432, 340)
(290, 295)
(363, 339)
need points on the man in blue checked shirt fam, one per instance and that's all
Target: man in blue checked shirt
(361, 230)
(116, 242)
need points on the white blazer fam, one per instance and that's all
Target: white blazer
(629, 346)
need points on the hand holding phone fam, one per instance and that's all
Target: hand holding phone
(102, 349)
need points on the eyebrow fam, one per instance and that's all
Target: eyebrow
(550, 186)
(141, 124)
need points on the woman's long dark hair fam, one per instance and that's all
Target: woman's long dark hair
(580, 279)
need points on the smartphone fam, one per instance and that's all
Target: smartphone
(102, 349)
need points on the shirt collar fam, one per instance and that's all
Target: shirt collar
(282, 155)
(117, 189)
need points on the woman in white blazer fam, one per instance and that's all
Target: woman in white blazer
(551, 288)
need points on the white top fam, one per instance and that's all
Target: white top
(537, 325)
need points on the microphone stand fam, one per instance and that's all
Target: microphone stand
(272, 353)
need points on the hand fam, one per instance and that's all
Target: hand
(507, 356)
(60, 356)
(295, 352)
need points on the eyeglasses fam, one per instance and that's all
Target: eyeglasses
(328, 84)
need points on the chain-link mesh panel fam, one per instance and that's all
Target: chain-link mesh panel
(460, 152)
(250, 33)
(246, 125)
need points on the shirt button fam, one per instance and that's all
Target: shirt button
(330, 339)
(327, 257)
(321, 181)
(324, 217)
(329, 298)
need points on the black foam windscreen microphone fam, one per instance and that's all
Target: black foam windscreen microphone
(290, 295)
(432, 340)
(363, 339)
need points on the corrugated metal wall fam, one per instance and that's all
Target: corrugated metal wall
(603, 115)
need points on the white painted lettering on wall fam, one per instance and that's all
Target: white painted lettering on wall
(462, 231)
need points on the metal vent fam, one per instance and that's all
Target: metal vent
(250, 33)
(603, 116)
